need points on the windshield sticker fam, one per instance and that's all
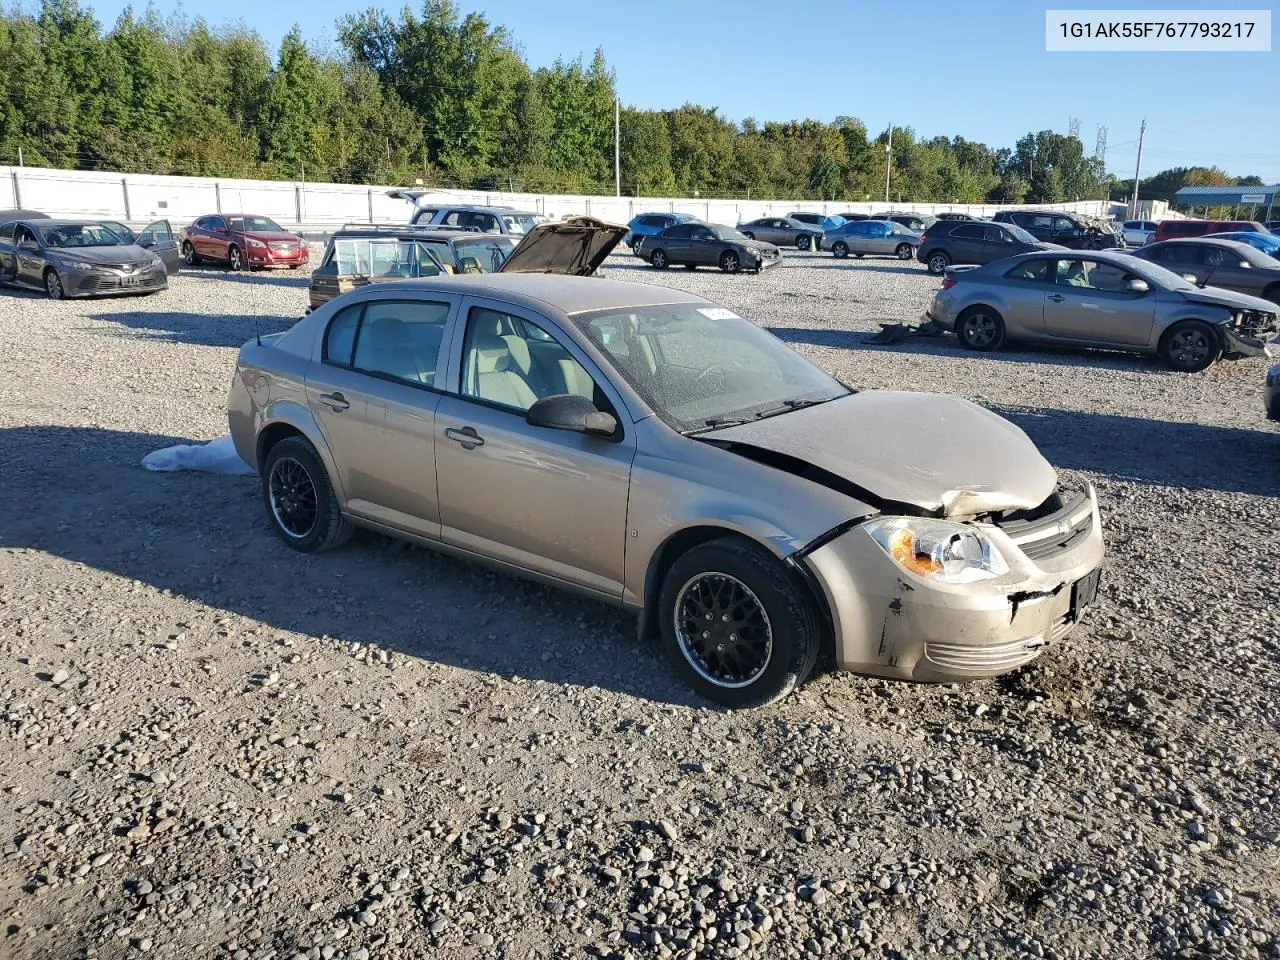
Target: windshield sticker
(718, 313)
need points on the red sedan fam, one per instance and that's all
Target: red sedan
(241, 240)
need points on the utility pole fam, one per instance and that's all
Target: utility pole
(888, 163)
(1137, 170)
(20, 157)
(617, 148)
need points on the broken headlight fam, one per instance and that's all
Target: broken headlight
(937, 549)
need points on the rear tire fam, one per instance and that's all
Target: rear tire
(296, 486)
(658, 259)
(189, 255)
(904, 251)
(938, 263)
(756, 659)
(1190, 346)
(980, 329)
(840, 249)
(636, 244)
(749, 235)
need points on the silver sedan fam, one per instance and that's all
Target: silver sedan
(877, 237)
(783, 232)
(657, 451)
(1099, 299)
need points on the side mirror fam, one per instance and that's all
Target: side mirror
(146, 242)
(1246, 265)
(1190, 278)
(1138, 286)
(568, 411)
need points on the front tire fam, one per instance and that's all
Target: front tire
(658, 259)
(840, 249)
(802, 243)
(299, 498)
(938, 263)
(730, 262)
(1190, 346)
(904, 251)
(740, 628)
(235, 259)
(980, 329)
(53, 285)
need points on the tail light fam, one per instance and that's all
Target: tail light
(948, 282)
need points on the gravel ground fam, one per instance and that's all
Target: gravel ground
(214, 747)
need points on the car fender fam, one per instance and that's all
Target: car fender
(1171, 313)
(291, 413)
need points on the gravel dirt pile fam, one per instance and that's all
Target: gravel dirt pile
(214, 747)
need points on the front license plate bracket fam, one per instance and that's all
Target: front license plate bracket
(1083, 592)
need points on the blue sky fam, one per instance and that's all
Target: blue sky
(976, 69)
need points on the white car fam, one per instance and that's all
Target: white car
(1138, 232)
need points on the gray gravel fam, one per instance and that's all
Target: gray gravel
(214, 747)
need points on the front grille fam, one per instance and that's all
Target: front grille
(988, 657)
(1051, 529)
(106, 282)
(284, 248)
(1256, 324)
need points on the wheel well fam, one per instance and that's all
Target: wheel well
(979, 306)
(271, 435)
(1272, 293)
(682, 542)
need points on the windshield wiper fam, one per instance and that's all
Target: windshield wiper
(788, 405)
(715, 423)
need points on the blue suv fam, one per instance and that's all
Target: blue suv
(649, 224)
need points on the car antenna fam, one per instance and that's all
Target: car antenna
(257, 333)
(1208, 276)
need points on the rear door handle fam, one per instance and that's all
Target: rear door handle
(1056, 297)
(466, 436)
(336, 401)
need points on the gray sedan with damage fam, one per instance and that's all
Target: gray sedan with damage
(1100, 299)
(83, 258)
(784, 231)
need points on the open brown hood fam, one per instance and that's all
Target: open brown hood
(575, 247)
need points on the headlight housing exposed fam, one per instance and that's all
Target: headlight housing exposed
(938, 550)
(255, 244)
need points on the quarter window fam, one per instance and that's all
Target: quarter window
(511, 362)
(1034, 270)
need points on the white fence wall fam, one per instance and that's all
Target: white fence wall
(138, 198)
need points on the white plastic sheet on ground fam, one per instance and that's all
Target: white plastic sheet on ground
(216, 456)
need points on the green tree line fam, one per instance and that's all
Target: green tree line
(449, 99)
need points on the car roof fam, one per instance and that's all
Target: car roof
(481, 208)
(567, 294)
(51, 222)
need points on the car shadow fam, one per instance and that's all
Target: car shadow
(206, 537)
(202, 329)
(1195, 456)
(272, 278)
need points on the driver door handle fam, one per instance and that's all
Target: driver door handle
(466, 436)
(336, 401)
(1056, 297)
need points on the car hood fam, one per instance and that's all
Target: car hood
(1218, 297)
(124, 253)
(940, 454)
(760, 246)
(575, 246)
(273, 236)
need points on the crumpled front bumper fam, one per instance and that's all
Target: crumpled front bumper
(890, 623)
(1237, 343)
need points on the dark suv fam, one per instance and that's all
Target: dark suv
(973, 241)
(1064, 229)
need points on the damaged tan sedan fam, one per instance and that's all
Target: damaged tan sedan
(652, 449)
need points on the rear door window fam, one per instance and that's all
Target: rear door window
(6, 233)
(681, 231)
(401, 339)
(968, 231)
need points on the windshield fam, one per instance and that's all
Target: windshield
(81, 235)
(521, 223)
(482, 255)
(834, 221)
(699, 364)
(1019, 233)
(255, 225)
(728, 233)
(1158, 274)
